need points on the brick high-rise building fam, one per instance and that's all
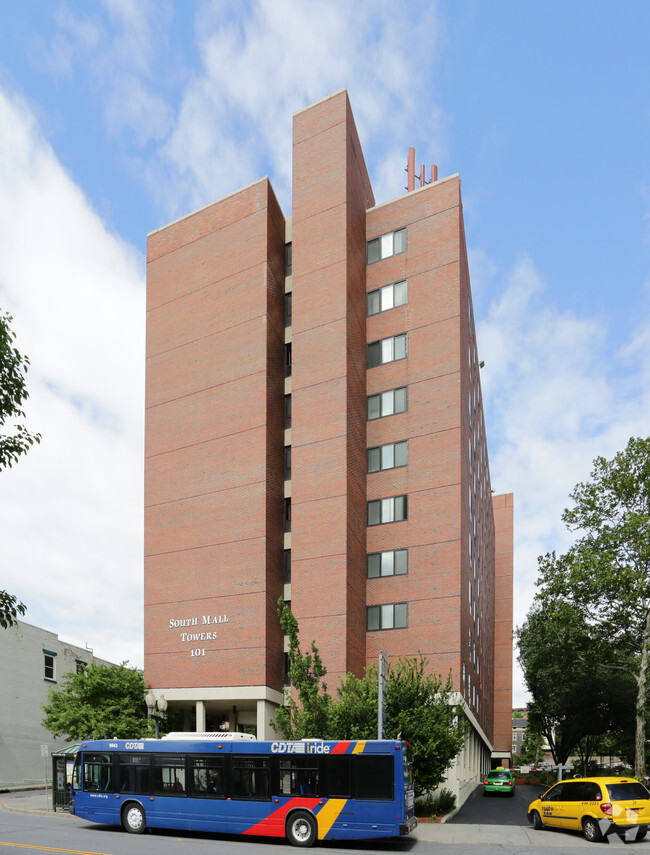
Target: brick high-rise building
(314, 429)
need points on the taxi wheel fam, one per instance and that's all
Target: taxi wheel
(591, 830)
(641, 835)
(536, 819)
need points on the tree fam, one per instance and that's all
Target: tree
(99, 702)
(572, 693)
(306, 712)
(605, 576)
(13, 394)
(419, 708)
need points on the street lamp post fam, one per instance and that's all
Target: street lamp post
(152, 703)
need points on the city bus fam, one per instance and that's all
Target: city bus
(230, 783)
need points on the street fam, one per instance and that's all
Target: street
(485, 826)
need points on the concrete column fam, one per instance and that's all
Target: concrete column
(265, 710)
(200, 716)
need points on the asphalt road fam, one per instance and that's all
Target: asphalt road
(497, 809)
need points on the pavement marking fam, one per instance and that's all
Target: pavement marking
(50, 848)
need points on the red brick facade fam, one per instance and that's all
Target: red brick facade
(215, 432)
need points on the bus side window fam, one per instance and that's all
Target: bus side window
(299, 776)
(250, 777)
(97, 772)
(338, 783)
(207, 775)
(135, 773)
(374, 776)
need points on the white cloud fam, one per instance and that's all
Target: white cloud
(276, 58)
(555, 398)
(72, 546)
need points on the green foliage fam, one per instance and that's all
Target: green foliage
(10, 608)
(99, 702)
(419, 708)
(307, 708)
(604, 582)
(440, 805)
(13, 394)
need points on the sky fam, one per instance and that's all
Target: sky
(118, 116)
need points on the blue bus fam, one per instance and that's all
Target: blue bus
(230, 783)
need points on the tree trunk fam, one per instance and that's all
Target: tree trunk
(642, 679)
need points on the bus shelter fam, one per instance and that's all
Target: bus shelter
(62, 763)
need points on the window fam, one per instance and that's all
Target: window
(386, 245)
(287, 360)
(287, 310)
(80, 665)
(395, 562)
(287, 411)
(135, 773)
(49, 663)
(393, 509)
(299, 776)
(97, 773)
(338, 772)
(287, 462)
(250, 778)
(374, 777)
(390, 616)
(288, 258)
(287, 514)
(387, 403)
(389, 456)
(387, 297)
(168, 774)
(287, 566)
(387, 350)
(207, 776)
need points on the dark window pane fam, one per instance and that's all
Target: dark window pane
(287, 566)
(399, 241)
(374, 510)
(401, 615)
(338, 773)
(288, 259)
(401, 453)
(400, 293)
(400, 346)
(374, 777)
(374, 565)
(400, 400)
(372, 618)
(287, 360)
(373, 251)
(374, 459)
(287, 310)
(373, 406)
(374, 354)
(400, 508)
(373, 303)
(401, 561)
(287, 461)
(287, 411)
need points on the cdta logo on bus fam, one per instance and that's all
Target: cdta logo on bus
(299, 748)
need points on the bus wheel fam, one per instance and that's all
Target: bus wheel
(301, 829)
(133, 819)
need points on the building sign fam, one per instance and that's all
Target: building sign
(194, 630)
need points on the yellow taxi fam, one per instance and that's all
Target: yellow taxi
(595, 806)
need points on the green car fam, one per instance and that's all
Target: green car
(499, 781)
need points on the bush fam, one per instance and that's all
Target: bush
(439, 805)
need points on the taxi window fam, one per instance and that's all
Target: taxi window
(591, 792)
(554, 794)
(626, 791)
(574, 791)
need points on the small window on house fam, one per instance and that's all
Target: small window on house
(387, 350)
(387, 297)
(49, 662)
(392, 509)
(387, 403)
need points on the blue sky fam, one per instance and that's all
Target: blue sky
(117, 116)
